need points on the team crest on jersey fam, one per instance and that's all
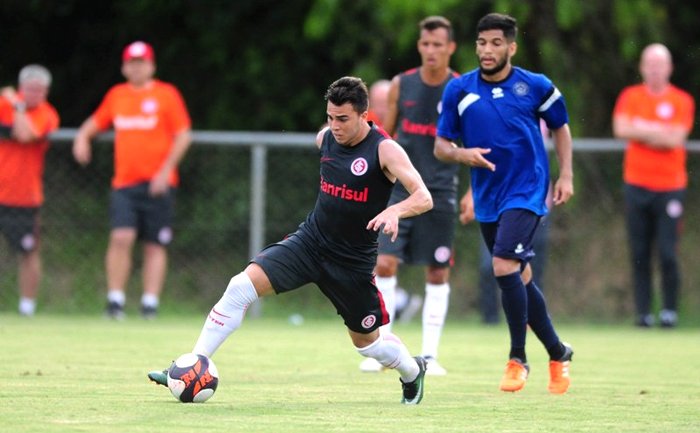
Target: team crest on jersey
(497, 93)
(664, 110)
(149, 106)
(521, 89)
(359, 167)
(439, 107)
(369, 321)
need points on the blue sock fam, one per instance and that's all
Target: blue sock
(514, 300)
(539, 320)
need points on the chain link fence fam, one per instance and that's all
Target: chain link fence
(240, 191)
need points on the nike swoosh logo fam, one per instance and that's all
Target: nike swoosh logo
(325, 158)
(410, 103)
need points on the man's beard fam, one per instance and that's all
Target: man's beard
(496, 69)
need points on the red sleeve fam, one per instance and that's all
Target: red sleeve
(623, 103)
(43, 120)
(688, 113)
(104, 114)
(177, 115)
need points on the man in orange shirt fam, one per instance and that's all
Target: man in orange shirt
(656, 118)
(152, 135)
(378, 101)
(26, 118)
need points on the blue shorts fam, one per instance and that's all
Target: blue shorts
(511, 236)
(152, 217)
(298, 260)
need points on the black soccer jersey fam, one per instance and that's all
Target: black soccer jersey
(416, 123)
(352, 191)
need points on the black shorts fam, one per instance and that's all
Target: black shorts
(20, 225)
(297, 261)
(426, 240)
(151, 216)
(511, 237)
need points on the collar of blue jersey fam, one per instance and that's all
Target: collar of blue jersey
(496, 83)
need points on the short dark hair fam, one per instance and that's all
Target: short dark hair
(436, 22)
(349, 89)
(495, 21)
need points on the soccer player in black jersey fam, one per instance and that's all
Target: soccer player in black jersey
(336, 247)
(427, 240)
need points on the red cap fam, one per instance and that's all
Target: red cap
(138, 50)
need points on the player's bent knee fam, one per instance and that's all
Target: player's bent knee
(362, 341)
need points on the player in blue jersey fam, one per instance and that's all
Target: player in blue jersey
(336, 247)
(495, 111)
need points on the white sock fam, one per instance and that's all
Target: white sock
(437, 297)
(400, 299)
(387, 287)
(116, 295)
(226, 316)
(389, 351)
(27, 306)
(149, 300)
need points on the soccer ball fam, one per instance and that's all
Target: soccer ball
(192, 378)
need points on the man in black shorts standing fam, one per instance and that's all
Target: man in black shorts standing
(336, 247)
(427, 240)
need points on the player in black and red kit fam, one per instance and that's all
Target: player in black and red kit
(336, 247)
(427, 240)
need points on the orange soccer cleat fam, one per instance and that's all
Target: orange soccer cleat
(515, 375)
(559, 380)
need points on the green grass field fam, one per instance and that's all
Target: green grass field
(87, 374)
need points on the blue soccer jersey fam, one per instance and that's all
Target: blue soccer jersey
(504, 117)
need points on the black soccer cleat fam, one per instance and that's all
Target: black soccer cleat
(114, 310)
(159, 377)
(413, 391)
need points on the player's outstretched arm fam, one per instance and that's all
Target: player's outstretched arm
(397, 165)
(447, 151)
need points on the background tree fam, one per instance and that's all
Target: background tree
(264, 64)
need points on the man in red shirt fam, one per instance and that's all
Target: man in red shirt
(378, 101)
(152, 135)
(656, 118)
(26, 118)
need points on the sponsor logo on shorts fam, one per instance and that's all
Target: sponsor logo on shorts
(369, 321)
(165, 235)
(674, 208)
(28, 242)
(359, 167)
(442, 254)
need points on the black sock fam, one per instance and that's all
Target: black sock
(518, 352)
(556, 352)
